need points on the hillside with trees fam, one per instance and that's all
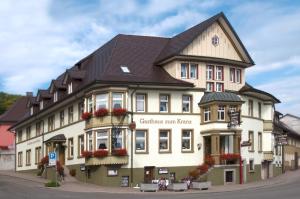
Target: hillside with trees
(6, 100)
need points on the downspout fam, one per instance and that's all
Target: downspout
(131, 139)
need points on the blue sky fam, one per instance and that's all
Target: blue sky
(40, 39)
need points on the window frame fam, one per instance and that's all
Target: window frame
(232, 74)
(102, 138)
(102, 101)
(90, 104)
(260, 142)
(186, 66)
(114, 99)
(70, 87)
(251, 166)
(221, 112)
(20, 159)
(62, 118)
(206, 111)
(90, 137)
(55, 96)
(145, 139)
(191, 139)
(70, 148)
(208, 87)
(209, 72)
(251, 140)
(168, 102)
(144, 102)
(196, 70)
(28, 132)
(80, 140)
(169, 141)
(80, 109)
(221, 88)
(250, 107)
(70, 114)
(51, 123)
(190, 102)
(38, 154)
(219, 73)
(238, 78)
(28, 157)
(259, 110)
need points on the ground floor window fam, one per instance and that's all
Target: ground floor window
(229, 176)
(251, 165)
(226, 144)
(71, 147)
(186, 140)
(38, 154)
(80, 145)
(117, 138)
(20, 159)
(164, 141)
(28, 157)
(90, 141)
(141, 141)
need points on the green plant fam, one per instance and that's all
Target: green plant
(73, 172)
(52, 184)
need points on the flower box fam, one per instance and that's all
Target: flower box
(230, 156)
(148, 187)
(86, 115)
(181, 186)
(87, 154)
(100, 153)
(101, 112)
(201, 185)
(119, 111)
(119, 152)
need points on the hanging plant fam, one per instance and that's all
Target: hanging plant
(100, 153)
(119, 152)
(86, 115)
(230, 156)
(101, 112)
(119, 111)
(87, 154)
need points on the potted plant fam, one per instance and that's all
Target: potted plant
(87, 154)
(101, 112)
(86, 115)
(100, 153)
(119, 152)
(119, 111)
(229, 158)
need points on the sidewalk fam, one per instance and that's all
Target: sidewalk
(76, 186)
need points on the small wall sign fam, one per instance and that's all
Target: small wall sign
(163, 171)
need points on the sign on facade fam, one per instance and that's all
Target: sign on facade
(234, 118)
(52, 159)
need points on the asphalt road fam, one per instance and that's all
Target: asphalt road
(15, 188)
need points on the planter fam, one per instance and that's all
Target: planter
(177, 186)
(148, 187)
(201, 185)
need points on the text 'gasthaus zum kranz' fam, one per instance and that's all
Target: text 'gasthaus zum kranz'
(173, 121)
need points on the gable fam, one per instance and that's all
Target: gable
(202, 45)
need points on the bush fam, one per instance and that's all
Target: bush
(100, 153)
(52, 184)
(73, 172)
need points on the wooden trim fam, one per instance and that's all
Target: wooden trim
(146, 140)
(169, 140)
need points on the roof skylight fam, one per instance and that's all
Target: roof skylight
(125, 69)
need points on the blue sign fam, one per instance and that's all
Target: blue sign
(52, 159)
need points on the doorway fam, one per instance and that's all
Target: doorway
(148, 174)
(61, 154)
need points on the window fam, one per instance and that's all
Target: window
(221, 113)
(251, 165)
(140, 102)
(232, 74)
(238, 76)
(259, 110)
(38, 154)
(219, 87)
(186, 103)
(102, 139)
(41, 105)
(226, 144)
(259, 141)
(70, 148)
(250, 108)
(193, 71)
(62, 118)
(112, 172)
(229, 176)
(31, 110)
(28, 157)
(206, 114)
(219, 73)
(51, 123)
(20, 159)
(251, 140)
(187, 140)
(117, 138)
(55, 96)
(232, 109)
(70, 88)
(117, 100)
(164, 103)
(184, 70)
(209, 86)
(70, 115)
(20, 136)
(80, 109)
(90, 104)
(164, 141)
(125, 69)
(101, 101)
(90, 146)
(141, 141)
(28, 132)
(39, 128)
(80, 145)
(209, 72)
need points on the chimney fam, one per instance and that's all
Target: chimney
(29, 94)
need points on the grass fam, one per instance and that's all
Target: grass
(52, 184)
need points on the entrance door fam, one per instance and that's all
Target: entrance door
(61, 154)
(148, 174)
(296, 160)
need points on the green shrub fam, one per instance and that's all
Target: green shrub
(52, 184)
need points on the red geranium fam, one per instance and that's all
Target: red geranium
(100, 153)
(45, 160)
(120, 152)
(203, 168)
(87, 154)
(101, 112)
(209, 161)
(86, 115)
(119, 111)
(230, 156)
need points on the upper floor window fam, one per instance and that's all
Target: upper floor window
(219, 87)
(186, 140)
(102, 101)
(219, 73)
(102, 139)
(28, 132)
(238, 76)
(209, 72)
(232, 74)
(117, 138)
(55, 96)
(206, 114)
(141, 141)
(232, 109)
(90, 104)
(259, 110)
(209, 86)
(70, 88)
(31, 110)
(90, 142)
(140, 102)
(250, 108)
(70, 114)
(20, 136)
(62, 118)
(221, 113)
(41, 105)
(51, 123)
(164, 141)
(186, 103)
(117, 100)
(80, 109)
(39, 128)
(193, 71)
(164, 103)
(184, 70)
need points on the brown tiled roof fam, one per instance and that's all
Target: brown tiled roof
(16, 112)
(248, 89)
(44, 94)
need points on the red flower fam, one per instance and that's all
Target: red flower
(101, 112)
(119, 152)
(203, 168)
(87, 154)
(119, 111)
(230, 156)
(100, 153)
(86, 115)
(45, 160)
(209, 161)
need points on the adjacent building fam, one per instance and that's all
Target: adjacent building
(155, 107)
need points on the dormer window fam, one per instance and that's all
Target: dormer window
(31, 110)
(41, 105)
(70, 88)
(55, 96)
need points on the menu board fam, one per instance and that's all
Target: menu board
(125, 181)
